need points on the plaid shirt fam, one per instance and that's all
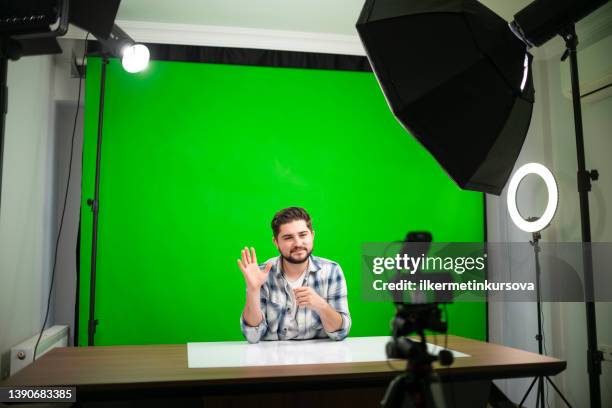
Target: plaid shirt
(281, 320)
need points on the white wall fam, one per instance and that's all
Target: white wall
(551, 141)
(65, 104)
(26, 210)
(42, 103)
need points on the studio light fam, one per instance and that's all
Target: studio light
(458, 77)
(134, 57)
(31, 27)
(553, 197)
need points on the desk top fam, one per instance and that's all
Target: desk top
(292, 352)
(137, 367)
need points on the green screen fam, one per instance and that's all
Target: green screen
(197, 158)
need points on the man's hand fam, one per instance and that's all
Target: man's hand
(331, 319)
(253, 276)
(307, 297)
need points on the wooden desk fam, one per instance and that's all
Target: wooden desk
(128, 372)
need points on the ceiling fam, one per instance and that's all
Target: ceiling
(316, 16)
(299, 25)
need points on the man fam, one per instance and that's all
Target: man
(295, 295)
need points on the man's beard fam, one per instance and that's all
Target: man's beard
(293, 260)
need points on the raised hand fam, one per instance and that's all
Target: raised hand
(253, 275)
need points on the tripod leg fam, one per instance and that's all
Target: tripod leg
(394, 396)
(528, 391)
(541, 385)
(559, 392)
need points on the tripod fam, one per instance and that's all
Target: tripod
(540, 379)
(411, 389)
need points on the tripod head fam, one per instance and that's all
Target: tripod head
(414, 384)
(415, 319)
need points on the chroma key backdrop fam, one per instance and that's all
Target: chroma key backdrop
(197, 158)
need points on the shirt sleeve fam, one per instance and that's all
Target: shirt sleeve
(337, 299)
(254, 333)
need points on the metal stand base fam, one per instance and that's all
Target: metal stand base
(540, 391)
(540, 401)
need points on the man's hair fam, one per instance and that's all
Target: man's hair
(287, 215)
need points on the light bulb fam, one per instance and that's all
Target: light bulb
(135, 58)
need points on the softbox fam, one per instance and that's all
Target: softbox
(457, 78)
(25, 25)
(95, 16)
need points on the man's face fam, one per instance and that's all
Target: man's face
(294, 241)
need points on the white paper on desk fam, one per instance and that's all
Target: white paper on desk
(273, 353)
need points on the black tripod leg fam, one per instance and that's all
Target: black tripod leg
(394, 396)
(528, 391)
(541, 392)
(559, 392)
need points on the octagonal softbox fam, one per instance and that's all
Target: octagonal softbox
(457, 78)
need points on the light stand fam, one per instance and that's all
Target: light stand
(540, 379)
(94, 204)
(594, 356)
(3, 104)
(535, 225)
(117, 44)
